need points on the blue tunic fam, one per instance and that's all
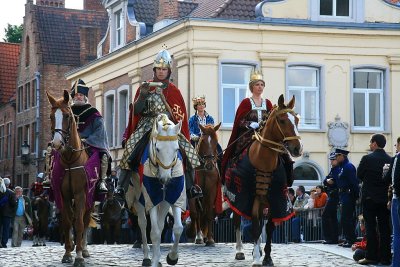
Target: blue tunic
(347, 182)
(194, 122)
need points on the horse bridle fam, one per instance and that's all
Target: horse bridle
(280, 147)
(155, 161)
(65, 134)
(208, 161)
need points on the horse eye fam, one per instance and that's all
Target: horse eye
(282, 121)
(158, 150)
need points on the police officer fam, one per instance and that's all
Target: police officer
(329, 215)
(348, 187)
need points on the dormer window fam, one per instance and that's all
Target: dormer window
(118, 28)
(335, 8)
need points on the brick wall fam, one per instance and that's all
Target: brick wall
(167, 9)
(93, 5)
(89, 38)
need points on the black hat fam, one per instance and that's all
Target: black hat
(80, 88)
(341, 151)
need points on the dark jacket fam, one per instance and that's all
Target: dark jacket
(332, 189)
(8, 204)
(370, 173)
(393, 177)
(347, 182)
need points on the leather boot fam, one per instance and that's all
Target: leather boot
(101, 185)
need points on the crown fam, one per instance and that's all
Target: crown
(199, 100)
(256, 75)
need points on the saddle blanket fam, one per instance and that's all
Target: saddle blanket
(240, 190)
(154, 192)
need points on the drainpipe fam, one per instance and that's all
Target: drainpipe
(37, 78)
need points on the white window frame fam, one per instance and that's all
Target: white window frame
(367, 92)
(110, 132)
(302, 89)
(122, 89)
(308, 184)
(237, 87)
(356, 12)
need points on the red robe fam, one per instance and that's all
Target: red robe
(242, 110)
(175, 101)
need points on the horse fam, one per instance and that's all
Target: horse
(164, 184)
(111, 216)
(72, 156)
(40, 206)
(207, 175)
(279, 135)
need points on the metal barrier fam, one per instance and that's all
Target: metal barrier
(306, 226)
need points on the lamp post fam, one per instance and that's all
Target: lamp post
(25, 153)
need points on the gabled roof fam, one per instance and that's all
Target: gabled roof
(9, 58)
(58, 31)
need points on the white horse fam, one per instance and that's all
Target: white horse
(164, 184)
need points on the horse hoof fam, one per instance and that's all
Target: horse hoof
(146, 262)
(85, 253)
(210, 243)
(199, 241)
(171, 261)
(267, 261)
(67, 259)
(79, 262)
(239, 256)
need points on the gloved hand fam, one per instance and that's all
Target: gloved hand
(123, 143)
(194, 137)
(254, 125)
(144, 89)
(83, 140)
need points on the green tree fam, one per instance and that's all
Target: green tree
(13, 33)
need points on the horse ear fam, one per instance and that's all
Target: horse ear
(154, 132)
(201, 127)
(281, 101)
(177, 127)
(291, 102)
(216, 127)
(51, 99)
(66, 96)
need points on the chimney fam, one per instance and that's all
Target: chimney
(53, 3)
(167, 9)
(93, 5)
(89, 38)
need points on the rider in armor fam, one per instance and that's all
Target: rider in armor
(151, 99)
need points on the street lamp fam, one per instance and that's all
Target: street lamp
(25, 157)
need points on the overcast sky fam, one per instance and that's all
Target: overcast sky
(13, 12)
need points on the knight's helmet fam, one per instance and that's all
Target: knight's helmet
(198, 100)
(40, 176)
(163, 60)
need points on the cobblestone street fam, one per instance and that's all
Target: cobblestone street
(311, 255)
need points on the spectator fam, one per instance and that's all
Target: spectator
(311, 200)
(320, 197)
(348, 187)
(291, 195)
(301, 198)
(360, 248)
(374, 202)
(7, 210)
(23, 215)
(393, 176)
(329, 216)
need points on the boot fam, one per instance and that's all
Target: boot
(123, 182)
(101, 185)
(192, 190)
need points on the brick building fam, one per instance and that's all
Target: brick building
(9, 55)
(55, 40)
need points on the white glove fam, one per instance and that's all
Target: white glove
(194, 137)
(254, 125)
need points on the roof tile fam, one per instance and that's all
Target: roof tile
(9, 57)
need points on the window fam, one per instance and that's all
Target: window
(335, 8)
(27, 134)
(27, 101)
(110, 118)
(20, 98)
(25, 182)
(234, 86)
(368, 105)
(123, 112)
(8, 139)
(34, 84)
(305, 172)
(304, 84)
(19, 140)
(118, 28)
(27, 51)
(308, 173)
(33, 138)
(2, 143)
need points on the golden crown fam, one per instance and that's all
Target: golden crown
(256, 75)
(199, 100)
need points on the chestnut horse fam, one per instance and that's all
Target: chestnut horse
(40, 207)
(73, 157)
(207, 175)
(279, 135)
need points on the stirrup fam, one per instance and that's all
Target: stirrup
(101, 188)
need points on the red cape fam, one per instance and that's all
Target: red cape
(175, 101)
(242, 110)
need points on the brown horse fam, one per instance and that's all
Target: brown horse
(279, 136)
(73, 157)
(111, 217)
(40, 207)
(202, 214)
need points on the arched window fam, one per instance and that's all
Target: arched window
(307, 173)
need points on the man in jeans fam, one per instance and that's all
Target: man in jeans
(23, 215)
(374, 202)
